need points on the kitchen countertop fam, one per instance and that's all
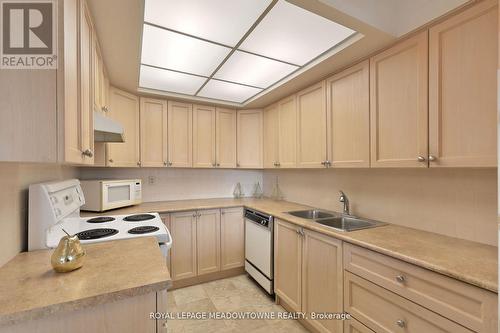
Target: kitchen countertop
(464, 260)
(30, 289)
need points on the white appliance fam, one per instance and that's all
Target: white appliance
(259, 248)
(102, 195)
(56, 206)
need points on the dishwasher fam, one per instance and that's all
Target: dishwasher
(259, 249)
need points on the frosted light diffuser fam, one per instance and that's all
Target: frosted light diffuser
(222, 21)
(161, 79)
(290, 33)
(170, 50)
(253, 70)
(228, 91)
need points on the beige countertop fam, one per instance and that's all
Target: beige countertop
(30, 289)
(468, 261)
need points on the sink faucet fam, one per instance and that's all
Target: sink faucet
(343, 198)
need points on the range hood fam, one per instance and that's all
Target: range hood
(106, 129)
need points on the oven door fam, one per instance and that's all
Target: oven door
(118, 194)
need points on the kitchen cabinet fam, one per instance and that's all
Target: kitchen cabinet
(153, 132)
(180, 134)
(287, 132)
(322, 266)
(232, 239)
(165, 218)
(311, 127)
(463, 52)
(124, 109)
(354, 326)
(98, 77)
(183, 262)
(271, 136)
(225, 145)
(249, 139)
(398, 104)
(348, 105)
(208, 241)
(288, 264)
(204, 142)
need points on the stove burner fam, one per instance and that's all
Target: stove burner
(143, 229)
(101, 219)
(96, 233)
(139, 217)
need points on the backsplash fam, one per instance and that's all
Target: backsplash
(181, 184)
(455, 202)
(15, 179)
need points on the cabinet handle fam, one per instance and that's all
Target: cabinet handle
(214, 164)
(165, 163)
(164, 325)
(110, 160)
(218, 164)
(138, 163)
(401, 323)
(400, 278)
(88, 153)
(104, 108)
(237, 165)
(421, 159)
(169, 163)
(194, 214)
(278, 164)
(328, 163)
(432, 158)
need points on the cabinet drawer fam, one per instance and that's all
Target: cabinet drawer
(384, 311)
(470, 306)
(354, 326)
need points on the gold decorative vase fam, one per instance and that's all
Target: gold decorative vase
(68, 255)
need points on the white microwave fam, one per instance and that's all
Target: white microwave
(102, 195)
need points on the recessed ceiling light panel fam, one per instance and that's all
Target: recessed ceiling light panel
(161, 79)
(170, 50)
(253, 70)
(222, 21)
(228, 91)
(292, 34)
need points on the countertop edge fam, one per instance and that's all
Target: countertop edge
(82, 303)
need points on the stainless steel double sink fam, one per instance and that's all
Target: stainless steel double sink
(335, 220)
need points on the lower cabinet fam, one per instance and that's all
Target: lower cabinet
(205, 242)
(354, 326)
(308, 273)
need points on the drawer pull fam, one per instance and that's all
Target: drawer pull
(400, 278)
(401, 323)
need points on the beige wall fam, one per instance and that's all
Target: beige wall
(181, 184)
(14, 181)
(456, 202)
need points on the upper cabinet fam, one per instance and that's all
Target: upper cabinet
(348, 105)
(249, 140)
(398, 100)
(287, 132)
(125, 110)
(311, 127)
(153, 132)
(180, 134)
(463, 52)
(204, 136)
(271, 137)
(225, 143)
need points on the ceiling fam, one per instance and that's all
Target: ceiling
(120, 23)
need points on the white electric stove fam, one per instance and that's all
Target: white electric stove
(56, 206)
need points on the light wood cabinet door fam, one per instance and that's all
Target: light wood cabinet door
(354, 326)
(98, 77)
(463, 53)
(398, 104)
(288, 264)
(232, 230)
(250, 137)
(322, 266)
(348, 105)
(153, 123)
(208, 241)
(180, 134)
(311, 127)
(183, 252)
(287, 132)
(225, 145)
(271, 136)
(165, 218)
(204, 136)
(125, 110)
(86, 83)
